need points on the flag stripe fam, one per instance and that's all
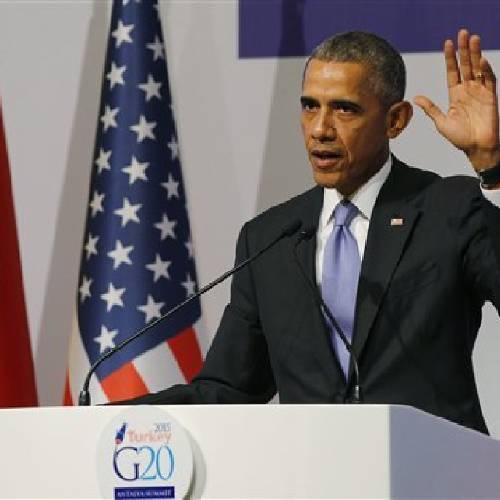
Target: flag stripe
(124, 383)
(78, 368)
(159, 368)
(187, 352)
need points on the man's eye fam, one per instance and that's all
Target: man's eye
(309, 105)
(344, 108)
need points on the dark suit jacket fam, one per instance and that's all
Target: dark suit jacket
(420, 294)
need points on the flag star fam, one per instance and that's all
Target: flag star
(166, 227)
(171, 186)
(108, 118)
(136, 170)
(113, 297)
(189, 246)
(115, 75)
(189, 285)
(122, 33)
(144, 129)
(106, 339)
(90, 246)
(157, 48)
(174, 148)
(103, 161)
(85, 288)
(96, 203)
(120, 254)
(159, 268)
(151, 309)
(151, 88)
(128, 212)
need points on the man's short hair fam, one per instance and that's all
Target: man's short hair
(387, 69)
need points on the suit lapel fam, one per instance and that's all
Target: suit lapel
(392, 222)
(309, 215)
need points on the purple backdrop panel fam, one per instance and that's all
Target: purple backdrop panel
(286, 28)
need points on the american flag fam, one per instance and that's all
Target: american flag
(137, 260)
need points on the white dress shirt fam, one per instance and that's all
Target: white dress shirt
(364, 199)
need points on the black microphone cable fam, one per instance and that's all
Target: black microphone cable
(308, 232)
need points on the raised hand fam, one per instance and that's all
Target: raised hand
(471, 123)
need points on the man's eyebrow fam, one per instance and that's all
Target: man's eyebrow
(308, 100)
(345, 103)
(335, 103)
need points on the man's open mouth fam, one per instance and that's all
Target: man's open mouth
(326, 155)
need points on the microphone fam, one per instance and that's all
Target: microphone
(305, 234)
(84, 396)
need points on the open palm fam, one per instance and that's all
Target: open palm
(471, 123)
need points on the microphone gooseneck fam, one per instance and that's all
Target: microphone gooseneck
(288, 230)
(307, 233)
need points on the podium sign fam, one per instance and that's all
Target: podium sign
(334, 451)
(144, 453)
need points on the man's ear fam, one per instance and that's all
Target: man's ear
(398, 117)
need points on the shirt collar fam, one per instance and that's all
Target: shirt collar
(364, 198)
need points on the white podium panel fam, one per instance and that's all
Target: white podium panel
(264, 451)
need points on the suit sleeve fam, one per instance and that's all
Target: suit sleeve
(237, 367)
(479, 232)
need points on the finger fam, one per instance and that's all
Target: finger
(475, 56)
(490, 80)
(464, 55)
(430, 109)
(450, 58)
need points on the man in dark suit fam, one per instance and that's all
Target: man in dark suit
(410, 267)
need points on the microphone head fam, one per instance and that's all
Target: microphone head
(292, 227)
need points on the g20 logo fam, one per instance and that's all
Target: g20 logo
(132, 463)
(144, 452)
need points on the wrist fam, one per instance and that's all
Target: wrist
(485, 158)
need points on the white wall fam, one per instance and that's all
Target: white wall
(240, 144)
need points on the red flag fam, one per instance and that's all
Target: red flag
(17, 379)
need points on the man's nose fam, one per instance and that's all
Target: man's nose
(324, 126)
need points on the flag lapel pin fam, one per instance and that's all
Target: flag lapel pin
(397, 221)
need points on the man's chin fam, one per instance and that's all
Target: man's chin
(327, 179)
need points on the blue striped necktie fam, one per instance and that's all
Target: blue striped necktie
(339, 284)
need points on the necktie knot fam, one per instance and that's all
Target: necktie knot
(344, 212)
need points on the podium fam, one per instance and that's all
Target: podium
(264, 451)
